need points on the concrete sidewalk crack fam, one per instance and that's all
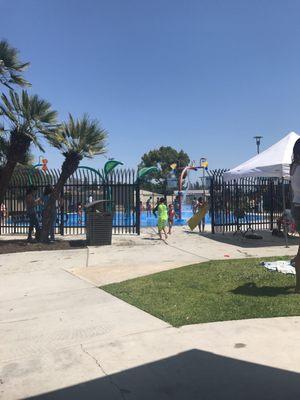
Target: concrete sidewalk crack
(149, 330)
(13, 321)
(120, 390)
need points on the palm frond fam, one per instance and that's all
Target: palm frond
(29, 115)
(11, 67)
(82, 136)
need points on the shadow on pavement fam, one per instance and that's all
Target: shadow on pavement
(22, 245)
(191, 375)
(77, 243)
(267, 240)
(250, 289)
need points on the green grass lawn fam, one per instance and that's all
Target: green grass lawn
(212, 291)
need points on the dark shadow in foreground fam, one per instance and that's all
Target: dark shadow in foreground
(191, 375)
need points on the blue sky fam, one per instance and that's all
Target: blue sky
(204, 76)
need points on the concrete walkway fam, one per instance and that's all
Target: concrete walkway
(48, 316)
(63, 338)
(135, 256)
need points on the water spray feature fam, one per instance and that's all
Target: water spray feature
(182, 192)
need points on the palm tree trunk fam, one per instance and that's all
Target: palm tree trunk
(18, 147)
(69, 166)
(6, 173)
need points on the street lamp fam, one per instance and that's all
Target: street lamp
(257, 139)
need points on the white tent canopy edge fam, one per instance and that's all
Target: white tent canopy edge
(274, 162)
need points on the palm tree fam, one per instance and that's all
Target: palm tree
(27, 161)
(75, 139)
(4, 144)
(11, 67)
(28, 118)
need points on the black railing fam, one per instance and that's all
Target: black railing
(120, 187)
(254, 203)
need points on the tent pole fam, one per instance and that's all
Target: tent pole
(284, 222)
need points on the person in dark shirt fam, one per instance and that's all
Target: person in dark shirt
(31, 203)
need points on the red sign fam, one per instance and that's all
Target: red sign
(44, 166)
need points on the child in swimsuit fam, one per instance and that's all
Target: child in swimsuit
(148, 207)
(171, 216)
(79, 213)
(162, 221)
(200, 205)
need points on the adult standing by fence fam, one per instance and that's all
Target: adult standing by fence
(31, 203)
(295, 182)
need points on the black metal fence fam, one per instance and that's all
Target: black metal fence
(86, 185)
(254, 203)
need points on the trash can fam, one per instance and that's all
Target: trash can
(99, 219)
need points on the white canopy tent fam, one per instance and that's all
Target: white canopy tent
(274, 162)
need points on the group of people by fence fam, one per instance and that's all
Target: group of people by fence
(165, 217)
(166, 213)
(32, 201)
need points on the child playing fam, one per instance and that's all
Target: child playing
(200, 205)
(149, 207)
(79, 213)
(162, 221)
(171, 216)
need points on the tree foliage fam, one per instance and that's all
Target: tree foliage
(26, 162)
(11, 68)
(83, 136)
(162, 158)
(26, 118)
(76, 139)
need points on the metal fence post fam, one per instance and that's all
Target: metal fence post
(62, 212)
(212, 205)
(138, 208)
(272, 205)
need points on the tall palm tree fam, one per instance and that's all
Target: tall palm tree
(75, 139)
(28, 158)
(28, 117)
(11, 68)
(4, 144)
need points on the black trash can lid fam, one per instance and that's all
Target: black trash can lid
(97, 205)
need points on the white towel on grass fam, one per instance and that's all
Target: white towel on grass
(284, 267)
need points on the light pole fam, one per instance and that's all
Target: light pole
(257, 139)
